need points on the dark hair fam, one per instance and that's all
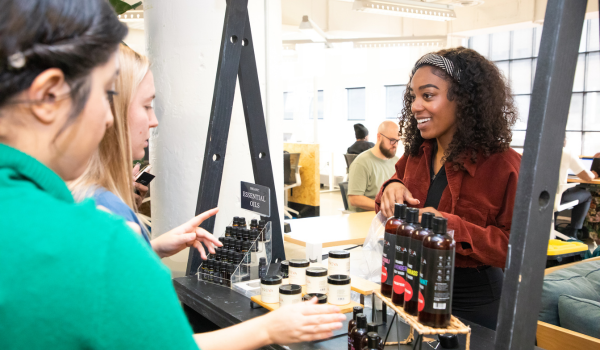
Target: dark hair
(74, 36)
(485, 109)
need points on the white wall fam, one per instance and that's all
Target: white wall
(337, 69)
(183, 44)
(136, 39)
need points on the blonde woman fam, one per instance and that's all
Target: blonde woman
(108, 178)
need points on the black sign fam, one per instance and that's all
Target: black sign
(256, 198)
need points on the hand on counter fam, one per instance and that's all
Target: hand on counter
(394, 193)
(187, 235)
(301, 322)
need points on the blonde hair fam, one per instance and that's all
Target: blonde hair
(111, 166)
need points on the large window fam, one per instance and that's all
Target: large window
(289, 106)
(356, 103)
(319, 106)
(394, 100)
(515, 54)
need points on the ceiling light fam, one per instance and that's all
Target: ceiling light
(426, 41)
(407, 8)
(312, 31)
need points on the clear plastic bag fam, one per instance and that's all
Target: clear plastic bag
(373, 250)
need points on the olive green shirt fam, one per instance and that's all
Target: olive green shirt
(74, 277)
(367, 174)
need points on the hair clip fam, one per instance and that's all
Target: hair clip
(17, 60)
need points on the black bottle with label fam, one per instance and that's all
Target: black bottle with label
(400, 253)
(389, 248)
(437, 271)
(413, 262)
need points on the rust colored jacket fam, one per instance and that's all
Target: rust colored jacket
(478, 202)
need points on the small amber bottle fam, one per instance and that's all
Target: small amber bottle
(253, 224)
(231, 273)
(228, 231)
(238, 246)
(357, 332)
(245, 235)
(236, 221)
(232, 255)
(203, 271)
(355, 311)
(245, 251)
(261, 229)
(210, 271)
(372, 327)
(217, 274)
(253, 238)
(242, 222)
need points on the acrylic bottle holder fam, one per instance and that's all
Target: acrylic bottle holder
(248, 269)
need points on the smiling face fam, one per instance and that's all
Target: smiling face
(141, 117)
(435, 114)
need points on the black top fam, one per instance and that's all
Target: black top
(438, 184)
(359, 147)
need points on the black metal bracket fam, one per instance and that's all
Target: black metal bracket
(236, 60)
(538, 176)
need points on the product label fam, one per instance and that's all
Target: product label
(338, 266)
(269, 293)
(413, 263)
(316, 285)
(338, 295)
(285, 299)
(297, 275)
(388, 257)
(437, 268)
(256, 198)
(400, 264)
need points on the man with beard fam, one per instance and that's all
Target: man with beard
(372, 168)
(362, 140)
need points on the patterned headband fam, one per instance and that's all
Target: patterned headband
(432, 59)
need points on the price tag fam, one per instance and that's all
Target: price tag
(256, 198)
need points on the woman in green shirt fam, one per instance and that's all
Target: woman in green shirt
(75, 277)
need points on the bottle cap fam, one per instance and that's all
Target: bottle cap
(242, 221)
(211, 264)
(339, 280)
(440, 225)
(339, 254)
(245, 234)
(236, 219)
(217, 264)
(427, 220)
(228, 229)
(262, 261)
(222, 240)
(290, 289)
(316, 272)
(361, 321)
(262, 223)
(355, 311)
(373, 340)
(299, 263)
(271, 280)
(254, 222)
(372, 327)
(284, 267)
(254, 234)
(400, 210)
(412, 216)
(321, 298)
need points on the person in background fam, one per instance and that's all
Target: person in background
(87, 281)
(457, 163)
(372, 168)
(362, 140)
(569, 161)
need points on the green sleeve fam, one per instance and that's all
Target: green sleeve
(137, 301)
(358, 178)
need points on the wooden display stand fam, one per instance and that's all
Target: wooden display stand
(456, 326)
(344, 308)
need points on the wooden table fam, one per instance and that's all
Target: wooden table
(332, 230)
(576, 180)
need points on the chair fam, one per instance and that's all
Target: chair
(561, 207)
(344, 192)
(349, 159)
(291, 173)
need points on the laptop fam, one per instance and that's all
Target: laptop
(588, 164)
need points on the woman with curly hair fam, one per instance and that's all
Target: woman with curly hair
(456, 124)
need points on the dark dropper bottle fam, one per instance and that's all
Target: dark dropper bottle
(437, 271)
(372, 327)
(355, 311)
(374, 342)
(389, 247)
(357, 332)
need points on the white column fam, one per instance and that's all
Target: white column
(183, 40)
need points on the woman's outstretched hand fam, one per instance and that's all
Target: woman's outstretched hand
(395, 193)
(187, 235)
